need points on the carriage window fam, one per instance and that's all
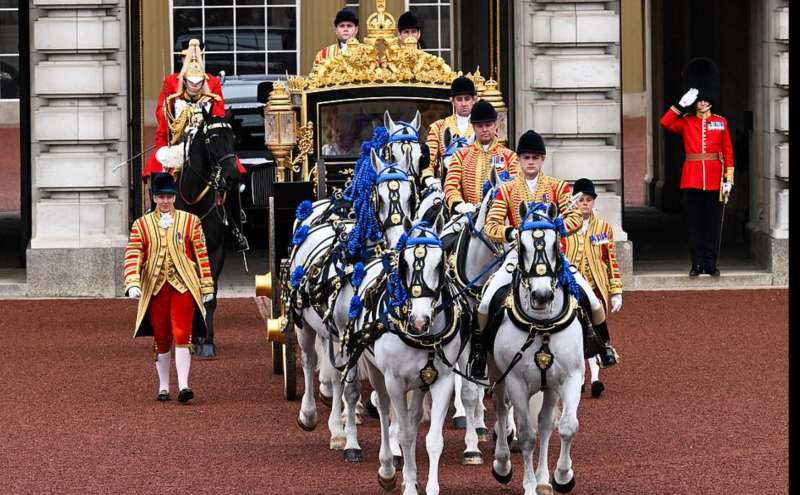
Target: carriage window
(344, 126)
(241, 36)
(436, 19)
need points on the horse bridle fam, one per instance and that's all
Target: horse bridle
(541, 266)
(407, 135)
(394, 176)
(214, 182)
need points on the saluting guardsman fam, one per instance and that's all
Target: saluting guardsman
(345, 27)
(471, 166)
(166, 268)
(503, 220)
(707, 176)
(593, 252)
(447, 135)
(408, 26)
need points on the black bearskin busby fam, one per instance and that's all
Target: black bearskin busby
(702, 73)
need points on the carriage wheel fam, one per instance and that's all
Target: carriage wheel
(277, 358)
(290, 367)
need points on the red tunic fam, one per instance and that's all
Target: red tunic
(702, 135)
(169, 87)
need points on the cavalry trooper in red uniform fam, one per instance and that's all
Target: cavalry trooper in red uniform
(178, 115)
(345, 26)
(167, 269)
(470, 169)
(707, 177)
(450, 130)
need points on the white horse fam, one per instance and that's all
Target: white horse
(324, 287)
(405, 146)
(415, 339)
(539, 347)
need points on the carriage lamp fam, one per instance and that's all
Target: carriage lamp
(493, 95)
(279, 129)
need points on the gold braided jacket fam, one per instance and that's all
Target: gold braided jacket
(435, 142)
(470, 169)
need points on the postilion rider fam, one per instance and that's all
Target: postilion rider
(471, 166)
(180, 113)
(449, 130)
(592, 251)
(501, 226)
(167, 269)
(345, 27)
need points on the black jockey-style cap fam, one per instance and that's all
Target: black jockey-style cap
(702, 73)
(408, 20)
(163, 183)
(345, 15)
(462, 85)
(482, 111)
(531, 142)
(584, 186)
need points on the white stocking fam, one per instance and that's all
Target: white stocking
(162, 367)
(183, 360)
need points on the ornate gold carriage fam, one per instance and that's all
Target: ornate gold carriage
(339, 104)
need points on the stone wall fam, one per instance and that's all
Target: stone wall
(79, 132)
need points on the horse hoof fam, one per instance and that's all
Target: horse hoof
(397, 461)
(338, 443)
(325, 399)
(353, 455)
(566, 487)
(597, 388)
(472, 459)
(483, 434)
(503, 479)
(305, 427)
(460, 422)
(388, 484)
(544, 489)
(372, 410)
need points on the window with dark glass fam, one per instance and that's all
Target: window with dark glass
(435, 16)
(9, 49)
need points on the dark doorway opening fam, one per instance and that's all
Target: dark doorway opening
(682, 30)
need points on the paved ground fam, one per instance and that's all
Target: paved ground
(697, 406)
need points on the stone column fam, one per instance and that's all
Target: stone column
(568, 89)
(769, 202)
(78, 119)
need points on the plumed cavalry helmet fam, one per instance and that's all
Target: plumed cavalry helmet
(585, 186)
(531, 142)
(702, 73)
(345, 15)
(482, 111)
(462, 86)
(163, 183)
(408, 20)
(193, 68)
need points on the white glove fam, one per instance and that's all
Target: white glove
(171, 157)
(242, 187)
(433, 183)
(573, 201)
(464, 208)
(208, 298)
(134, 293)
(616, 303)
(726, 188)
(688, 98)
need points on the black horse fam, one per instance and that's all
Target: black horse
(210, 174)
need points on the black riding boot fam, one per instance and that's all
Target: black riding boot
(608, 356)
(477, 352)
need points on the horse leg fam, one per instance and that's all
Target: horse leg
(460, 416)
(326, 373)
(216, 253)
(326, 369)
(480, 414)
(387, 475)
(407, 434)
(501, 466)
(440, 394)
(518, 393)
(469, 398)
(570, 392)
(547, 424)
(352, 392)
(307, 419)
(596, 384)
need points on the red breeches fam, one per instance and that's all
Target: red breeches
(171, 315)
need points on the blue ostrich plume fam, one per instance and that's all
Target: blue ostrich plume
(355, 307)
(304, 209)
(297, 277)
(300, 235)
(358, 274)
(567, 279)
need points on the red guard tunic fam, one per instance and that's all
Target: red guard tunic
(171, 268)
(705, 138)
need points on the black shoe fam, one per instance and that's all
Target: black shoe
(695, 271)
(608, 357)
(712, 270)
(162, 396)
(185, 395)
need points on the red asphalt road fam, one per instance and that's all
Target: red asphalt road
(698, 405)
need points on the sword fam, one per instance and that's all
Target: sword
(117, 166)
